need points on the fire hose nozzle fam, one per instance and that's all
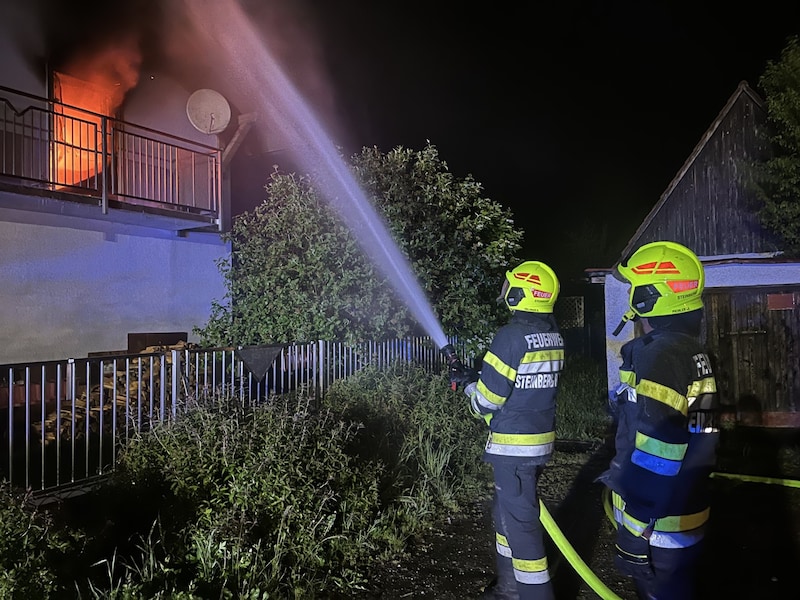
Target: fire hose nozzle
(453, 362)
(449, 354)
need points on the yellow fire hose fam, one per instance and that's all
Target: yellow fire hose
(572, 556)
(582, 568)
(755, 479)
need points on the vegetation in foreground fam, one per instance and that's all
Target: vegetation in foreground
(281, 500)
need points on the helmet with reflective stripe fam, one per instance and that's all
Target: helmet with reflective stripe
(666, 278)
(531, 287)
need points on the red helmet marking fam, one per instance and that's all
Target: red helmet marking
(529, 277)
(541, 294)
(666, 267)
(683, 286)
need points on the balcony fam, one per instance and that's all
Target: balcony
(57, 158)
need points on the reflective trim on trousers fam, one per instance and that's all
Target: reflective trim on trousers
(501, 545)
(520, 444)
(525, 571)
(669, 524)
(504, 551)
(660, 538)
(529, 577)
(683, 539)
(531, 571)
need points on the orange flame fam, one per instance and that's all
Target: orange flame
(96, 86)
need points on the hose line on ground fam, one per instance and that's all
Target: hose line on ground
(582, 568)
(572, 556)
(756, 479)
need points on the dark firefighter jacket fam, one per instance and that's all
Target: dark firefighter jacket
(517, 387)
(667, 437)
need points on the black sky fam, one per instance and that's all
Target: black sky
(576, 115)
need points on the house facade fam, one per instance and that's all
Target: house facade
(113, 194)
(752, 292)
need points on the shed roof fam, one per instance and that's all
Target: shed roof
(742, 89)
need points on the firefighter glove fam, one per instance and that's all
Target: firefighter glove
(462, 376)
(619, 395)
(632, 557)
(470, 391)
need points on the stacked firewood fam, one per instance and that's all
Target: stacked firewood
(131, 390)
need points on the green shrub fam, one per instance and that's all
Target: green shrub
(421, 430)
(259, 500)
(30, 547)
(581, 404)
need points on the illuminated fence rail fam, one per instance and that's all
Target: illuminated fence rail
(66, 420)
(49, 145)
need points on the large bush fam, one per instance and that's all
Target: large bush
(298, 272)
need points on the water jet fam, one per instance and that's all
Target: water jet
(227, 24)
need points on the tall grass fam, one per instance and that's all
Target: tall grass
(581, 403)
(284, 500)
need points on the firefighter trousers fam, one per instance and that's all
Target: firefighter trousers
(519, 532)
(675, 573)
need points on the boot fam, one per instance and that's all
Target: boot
(504, 586)
(496, 591)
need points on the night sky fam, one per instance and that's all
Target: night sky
(576, 115)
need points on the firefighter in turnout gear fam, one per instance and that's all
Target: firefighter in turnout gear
(666, 409)
(515, 394)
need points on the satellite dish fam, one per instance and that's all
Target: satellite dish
(208, 111)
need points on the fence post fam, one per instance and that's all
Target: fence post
(176, 375)
(162, 392)
(321, 368)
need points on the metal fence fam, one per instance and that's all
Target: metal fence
(66, 420)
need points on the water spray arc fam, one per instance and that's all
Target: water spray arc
(249, 62)
(258, 73)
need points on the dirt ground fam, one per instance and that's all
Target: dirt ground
(753, 548)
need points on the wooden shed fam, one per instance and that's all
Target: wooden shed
(752, 295)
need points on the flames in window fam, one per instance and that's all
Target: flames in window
(91, 87)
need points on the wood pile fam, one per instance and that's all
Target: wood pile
(135, 387)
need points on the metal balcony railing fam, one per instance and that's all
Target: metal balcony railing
(50, 145)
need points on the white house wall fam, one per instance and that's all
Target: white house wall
(70, 286)
(159, 102)
(717, 276)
